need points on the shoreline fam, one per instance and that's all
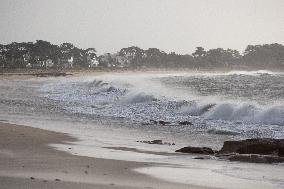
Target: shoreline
(26, 160)
(47, 156)
(26, 74)
(71, 71)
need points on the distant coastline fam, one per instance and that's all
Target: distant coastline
(42, 55)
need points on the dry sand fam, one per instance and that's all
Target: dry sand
(26, 161)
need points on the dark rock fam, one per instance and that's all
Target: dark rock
(153, 122)
(281, 151)
(184, 123)
(156, 142)
(161, 122)
(57, 179)
(222, 132)
(111, 89)
(32, 178)
(164, 122)
(256, 158)
(250, 150)
(196, 150)
(255, 146)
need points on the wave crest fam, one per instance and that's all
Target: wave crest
(248, 113)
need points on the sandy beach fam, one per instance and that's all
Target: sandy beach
(26, 161)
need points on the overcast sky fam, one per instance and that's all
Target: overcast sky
(170, 25)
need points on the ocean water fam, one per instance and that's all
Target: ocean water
(109, 112)
(236, 104)
(219, 106)
(257, 98)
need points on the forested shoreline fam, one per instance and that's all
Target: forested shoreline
(42, 54)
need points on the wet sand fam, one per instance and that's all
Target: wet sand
(26, 161)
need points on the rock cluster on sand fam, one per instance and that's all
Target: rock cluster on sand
(250, 150)
(196, 150)
(255, 146)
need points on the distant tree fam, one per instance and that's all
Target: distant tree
(69, 52)
(153, 57)
(199, 52)
(185, 61)
(91, 52)
(264, 56)
(13, 55)
(44, 49)
(133, 54)
(19, 55)
(198, 57)
(107, 60)
(221, 58)
(66, 50)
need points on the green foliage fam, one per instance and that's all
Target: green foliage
(20, 55)
(133, 54)
(199, 53)
(264, 56)
(220, 57)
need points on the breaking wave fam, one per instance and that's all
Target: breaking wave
(141, 100)
(247, 113)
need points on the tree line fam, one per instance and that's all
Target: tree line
(43, 54)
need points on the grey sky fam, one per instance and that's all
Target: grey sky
(171, 25)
